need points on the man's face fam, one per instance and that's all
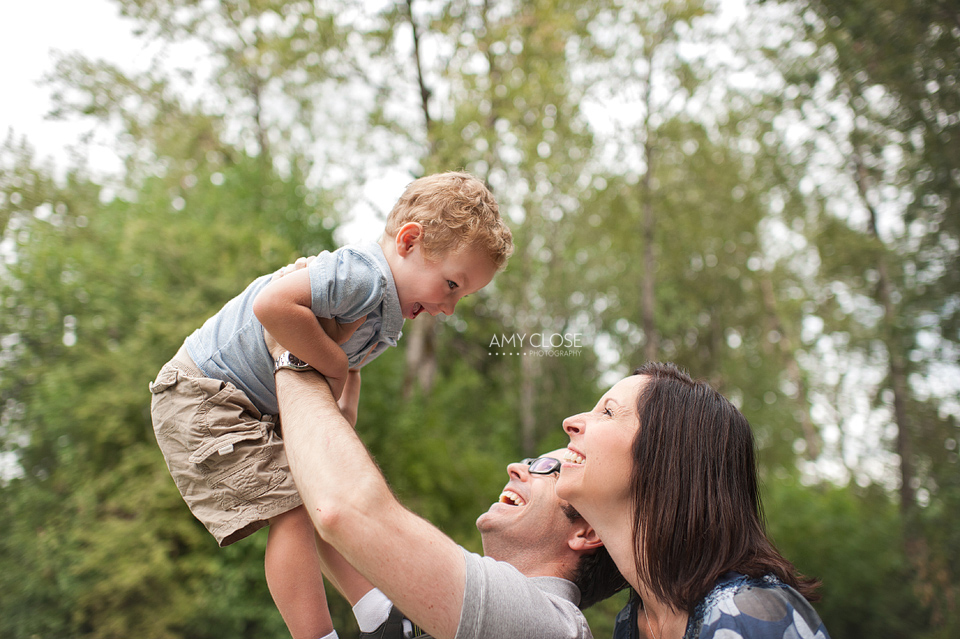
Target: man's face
(528, 514)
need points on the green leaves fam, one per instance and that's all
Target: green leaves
(676, 191)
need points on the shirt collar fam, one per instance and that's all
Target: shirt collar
(559, 587)
(392, 318)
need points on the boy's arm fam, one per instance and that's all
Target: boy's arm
(283, 307)
(349, 401)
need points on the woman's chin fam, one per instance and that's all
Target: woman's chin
(565, 489)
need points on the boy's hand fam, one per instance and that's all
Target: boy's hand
(340, 333)
(347, 391)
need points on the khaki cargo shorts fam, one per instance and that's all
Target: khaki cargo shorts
(226, 458)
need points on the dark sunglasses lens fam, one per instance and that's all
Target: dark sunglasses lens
(544, 466)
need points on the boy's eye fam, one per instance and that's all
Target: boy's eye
(452, 284)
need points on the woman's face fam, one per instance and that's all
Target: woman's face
(599, 461)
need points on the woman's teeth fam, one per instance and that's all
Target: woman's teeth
(573, 457)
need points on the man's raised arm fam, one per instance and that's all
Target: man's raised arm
(418, 567)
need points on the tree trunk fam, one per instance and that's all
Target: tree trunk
(897, 367)
(810, 434)
(421, 349)
(421, 356)
(648, 225)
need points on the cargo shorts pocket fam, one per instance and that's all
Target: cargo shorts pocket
(212, 436)
(238, 450)
(165, 379)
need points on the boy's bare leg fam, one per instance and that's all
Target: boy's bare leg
(345, 578)
(294, 575)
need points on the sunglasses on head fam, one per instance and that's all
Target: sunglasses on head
(542, 465)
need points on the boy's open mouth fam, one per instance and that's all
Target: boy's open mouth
(416, 310)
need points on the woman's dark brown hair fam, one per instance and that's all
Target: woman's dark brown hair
(697, 511)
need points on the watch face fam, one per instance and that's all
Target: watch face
(296, 361)
(291, 361)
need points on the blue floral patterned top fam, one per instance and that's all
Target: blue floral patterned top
(741, 607)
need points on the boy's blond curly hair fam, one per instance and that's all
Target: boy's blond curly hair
(456, 210)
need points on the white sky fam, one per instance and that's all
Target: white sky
(30, 32)
(33, 31)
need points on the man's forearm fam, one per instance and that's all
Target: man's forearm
(352, 506)
(318, 438)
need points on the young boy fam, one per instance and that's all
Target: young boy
(214, 404)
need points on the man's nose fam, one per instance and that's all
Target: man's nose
(517, 469)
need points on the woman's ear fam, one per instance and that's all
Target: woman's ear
(586, 538)
(409, 237)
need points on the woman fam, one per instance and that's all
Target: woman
(663, 468)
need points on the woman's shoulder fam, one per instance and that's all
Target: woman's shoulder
(741, 607)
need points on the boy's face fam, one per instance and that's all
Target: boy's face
(436, 285)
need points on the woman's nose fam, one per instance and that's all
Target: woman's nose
(573, 424)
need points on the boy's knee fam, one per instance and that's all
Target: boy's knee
(296, 518)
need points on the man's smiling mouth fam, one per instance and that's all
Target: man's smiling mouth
(511, 498)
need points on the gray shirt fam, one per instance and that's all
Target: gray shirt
(499, 602)
(346, 284)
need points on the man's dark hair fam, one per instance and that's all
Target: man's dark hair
(596, 575)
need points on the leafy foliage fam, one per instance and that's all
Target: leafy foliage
(611, 132)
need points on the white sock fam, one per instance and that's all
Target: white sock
(372, 610)
(332, 635)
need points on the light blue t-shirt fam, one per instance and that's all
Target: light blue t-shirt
(346, 284)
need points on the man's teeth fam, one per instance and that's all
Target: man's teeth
(573, 457)
(512, 498)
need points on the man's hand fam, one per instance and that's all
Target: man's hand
(349, 401)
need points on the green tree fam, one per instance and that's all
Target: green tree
(103, 293)
(884, 80)
(862, 564)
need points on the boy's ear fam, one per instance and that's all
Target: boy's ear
(408, 237)
(586, 538)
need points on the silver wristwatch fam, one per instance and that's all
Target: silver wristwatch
(290, 361)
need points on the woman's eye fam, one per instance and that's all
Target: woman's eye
(608, 412)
